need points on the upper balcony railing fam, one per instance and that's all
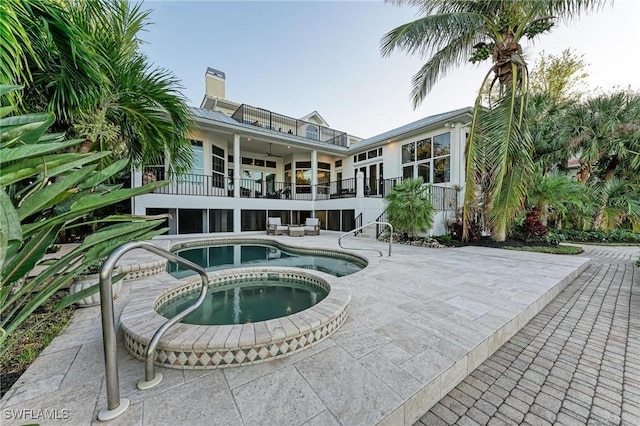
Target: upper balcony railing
(442, 198)
(248, 114)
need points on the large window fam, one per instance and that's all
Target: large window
(428, 158)
(217, 167)
(195, 176)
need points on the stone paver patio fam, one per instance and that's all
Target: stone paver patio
(419, 323)
(576, 363)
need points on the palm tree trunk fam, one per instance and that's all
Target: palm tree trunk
(611, 168)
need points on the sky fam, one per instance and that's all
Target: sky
(295, 57)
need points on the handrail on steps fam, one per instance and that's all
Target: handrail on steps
(115, 404)
(353, 231)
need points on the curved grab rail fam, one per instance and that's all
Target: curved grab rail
(360, 228)
(116, 405)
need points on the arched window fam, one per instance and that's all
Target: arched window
(312, 131)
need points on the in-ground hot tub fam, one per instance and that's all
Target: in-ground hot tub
(193, 346)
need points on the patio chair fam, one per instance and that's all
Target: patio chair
(275, 226)
(312, 226)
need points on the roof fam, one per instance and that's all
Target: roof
(411, 127)
(212, 115)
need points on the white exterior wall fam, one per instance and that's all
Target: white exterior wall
(371, 208)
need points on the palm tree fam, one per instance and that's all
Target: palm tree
(499, 146)
(555, 195)
(409, 207)
(85, 66)
(617, 200)
(605, 131)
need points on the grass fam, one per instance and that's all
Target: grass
(550, 249)
(33, 335)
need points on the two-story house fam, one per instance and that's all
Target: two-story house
(250, 164)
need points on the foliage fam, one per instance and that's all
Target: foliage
(598, 236)
(531, 228)
(558, 198)
(616, 201)
(43, 192)
(605, 131)
(561, 77)
(455, 227)
(81, 60)
(548, 249)
(451, 32)
(36, 332)
(409, 208)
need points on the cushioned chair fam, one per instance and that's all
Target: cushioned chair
(275, 226)
(312, 226)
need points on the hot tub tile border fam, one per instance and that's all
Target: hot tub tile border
(241, 346)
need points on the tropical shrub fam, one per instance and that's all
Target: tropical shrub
(409, 208)
(45, 189)
(531, 228)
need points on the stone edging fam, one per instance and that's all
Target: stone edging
(196, 347)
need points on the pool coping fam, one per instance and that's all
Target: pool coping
(198, 347)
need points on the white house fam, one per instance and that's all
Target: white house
(250, 164)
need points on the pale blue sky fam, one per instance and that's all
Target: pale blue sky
(294, 57)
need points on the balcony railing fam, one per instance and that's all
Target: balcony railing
(442, 198)
(248, 114)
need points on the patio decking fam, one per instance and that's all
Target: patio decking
(419, 322)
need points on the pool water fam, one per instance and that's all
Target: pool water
(246, 302)
(215, 258)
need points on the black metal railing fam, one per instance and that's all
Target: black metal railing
(380, 228)
(345, 188)
(358, 224)
(248, 114)
(442, 198)
(189, 183)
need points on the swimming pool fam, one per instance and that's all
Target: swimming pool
(226, 255)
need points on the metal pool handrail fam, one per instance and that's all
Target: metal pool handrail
(115, 404)
(361, 228)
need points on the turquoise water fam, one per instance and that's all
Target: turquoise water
(242, 255)
(246, 302)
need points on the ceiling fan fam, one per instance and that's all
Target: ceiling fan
(270, 154)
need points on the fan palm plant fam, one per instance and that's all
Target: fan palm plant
(617, 200)
(409, 208)
(451, 32)
(605, 131)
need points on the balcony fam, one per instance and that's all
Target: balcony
(443, 199)
(247, 114)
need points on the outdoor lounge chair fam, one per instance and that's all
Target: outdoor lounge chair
(275, 226)
(312, 226)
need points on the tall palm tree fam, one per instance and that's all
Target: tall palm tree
(499, 147)
(605, 131)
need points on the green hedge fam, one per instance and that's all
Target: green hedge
(596, 236)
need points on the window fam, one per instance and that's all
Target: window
(217, 167)
(428, 158)
(197, 166)
(271, 164)
(312, 132)
(338, 163)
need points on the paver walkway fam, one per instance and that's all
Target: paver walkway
(576, 363)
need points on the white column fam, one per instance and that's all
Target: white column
(236, 166)
(237, 225)
(314, 174)
(360, 184)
